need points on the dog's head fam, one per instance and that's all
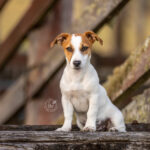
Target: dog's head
(77, 47)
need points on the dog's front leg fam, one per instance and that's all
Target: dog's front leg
(68, 113)
(92, 114)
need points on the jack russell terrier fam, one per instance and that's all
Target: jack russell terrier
(80, 88)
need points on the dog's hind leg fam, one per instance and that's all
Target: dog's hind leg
(79, 124)
(118, 123)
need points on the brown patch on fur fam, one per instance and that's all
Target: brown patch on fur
(85, 42)
(64, 40)
(60, 39)
(66, 44)
(104, 125)
(88, 38)
(92, 37)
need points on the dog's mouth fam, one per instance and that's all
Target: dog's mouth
(77, 68)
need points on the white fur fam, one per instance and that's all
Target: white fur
(82, 94)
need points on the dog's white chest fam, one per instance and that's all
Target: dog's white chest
(79, 100)
(77, 88)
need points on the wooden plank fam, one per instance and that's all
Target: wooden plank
(129, 76)
(141, 105)
(96, 14)
(85, 137)
(79, 145)
(54, 59)
(2, 3)
(34, 137)
(100, 61)
(33, 15)
(131, 127)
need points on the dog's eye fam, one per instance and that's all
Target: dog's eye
(84, 48)
(69, 49)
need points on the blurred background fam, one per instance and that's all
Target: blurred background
(30, 71)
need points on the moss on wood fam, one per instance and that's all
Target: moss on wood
(141, 111)
(123, 76)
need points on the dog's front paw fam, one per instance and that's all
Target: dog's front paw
(63, 129)
(113, 129)
(89, 128)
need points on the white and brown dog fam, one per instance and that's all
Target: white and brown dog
(80, 88)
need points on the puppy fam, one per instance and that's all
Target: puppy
(81, 91)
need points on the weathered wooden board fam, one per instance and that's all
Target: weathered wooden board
(141, 105)
(96, 14)
(78, 146)
(33, 15)
(85, 137)
(35, 139)
(130, 75)
(131, 127)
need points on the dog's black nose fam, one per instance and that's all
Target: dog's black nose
(76, 63)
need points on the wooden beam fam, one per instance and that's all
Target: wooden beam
(100, 61)
(131, 127)
(31, 138)
(129, 76)
(54, 59)
(98, 13)
(141, 105)
(86, 141)
(2, 3)
(33, 15)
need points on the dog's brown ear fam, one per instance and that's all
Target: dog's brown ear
(60, 39)
(92, 37)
